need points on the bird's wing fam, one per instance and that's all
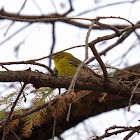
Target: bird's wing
(77, 62)
(91, 71)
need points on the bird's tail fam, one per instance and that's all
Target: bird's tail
(91, 71)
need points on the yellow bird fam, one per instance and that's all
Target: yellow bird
(66, 64)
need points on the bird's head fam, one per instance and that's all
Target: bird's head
(60, 55)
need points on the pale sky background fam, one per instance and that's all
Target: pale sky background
(38, 41)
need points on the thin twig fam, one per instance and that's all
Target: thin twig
(105, 6)
(16, 136)
(12, 109)
(53, 42)
(17, 116)
(5, 68)
(25, 1)
(54, 127)
(53, 4)
(133, 92)
(123, 129)
(129, 135)
(15, 33)
(75, 77)
(124, 71)
(14, 21)
(42, 65)
(103, 25)
(70, 9)
(15, 102)
(116, 18)
(87, 38)
(71, 87)
(38, 7)
(68, 115)
(32, 62)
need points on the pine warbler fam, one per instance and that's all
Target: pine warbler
(66, 64)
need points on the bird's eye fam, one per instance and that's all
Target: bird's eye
(58, 55)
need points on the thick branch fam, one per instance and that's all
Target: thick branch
(45, 80)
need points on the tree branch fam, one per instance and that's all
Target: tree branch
(45, 80)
